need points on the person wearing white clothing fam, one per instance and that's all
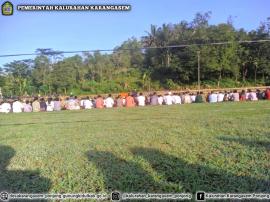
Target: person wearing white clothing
(213, 98)
(50, 105)
(253, 96)
(17, 106)
(176, 99)
(220, 97)
(230, 97)
(248, 94)
(160, 100)
(82, 102)
(192, 97)
(187, 98)
(109, 102)
(5, 107)
(168, 99)
(141, 100)
(87, 104)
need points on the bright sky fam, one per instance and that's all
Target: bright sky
(24, 32)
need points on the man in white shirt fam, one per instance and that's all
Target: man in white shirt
(160, 100)
(5, 107)
(248, 94)
(220, 97)
(87, 103)
(213, 98)
(192, 97)
(253, 96)
(109, 102)
(187, 98)
(82, 102)
(17, 106)
(230, 96)
(141, 100)
(176, 98)
(168, 99)
(50, 105)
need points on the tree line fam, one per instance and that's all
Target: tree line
(162, 66)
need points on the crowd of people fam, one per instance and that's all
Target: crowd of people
(40, 104)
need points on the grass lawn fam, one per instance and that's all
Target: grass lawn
(185, 148)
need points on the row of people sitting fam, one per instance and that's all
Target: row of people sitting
(131, 100)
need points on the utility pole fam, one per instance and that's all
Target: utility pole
(199, 66)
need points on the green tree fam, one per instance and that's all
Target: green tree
(63, 76)
(18, 74)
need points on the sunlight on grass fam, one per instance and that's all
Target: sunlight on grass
(211, 147)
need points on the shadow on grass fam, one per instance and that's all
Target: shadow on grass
(82, 121)
(119, 174)
(243, 141)
(195, 177)
(68, 122)
(175, 174)
(94, 121)
(18, 181)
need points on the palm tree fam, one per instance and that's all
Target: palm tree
(151, 38)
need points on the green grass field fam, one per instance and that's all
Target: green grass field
(184, 148)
